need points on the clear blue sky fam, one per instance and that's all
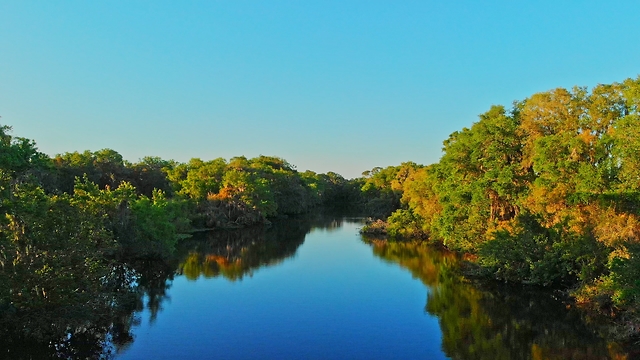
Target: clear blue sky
(328, 85)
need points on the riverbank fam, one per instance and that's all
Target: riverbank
(617, 323)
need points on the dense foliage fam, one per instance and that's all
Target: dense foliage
(544, 193)
(73, 227)
(244, 191)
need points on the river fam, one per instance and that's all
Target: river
(313, 288)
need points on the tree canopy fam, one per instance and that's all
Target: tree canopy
(545, 192)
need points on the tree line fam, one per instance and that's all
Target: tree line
(546, 192)
(77, 228)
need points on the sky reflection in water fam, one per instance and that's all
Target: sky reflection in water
(286, 294)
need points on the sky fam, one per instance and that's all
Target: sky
(339, 86)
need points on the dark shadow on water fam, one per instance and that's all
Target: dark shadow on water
(88, 330)
(495, 321)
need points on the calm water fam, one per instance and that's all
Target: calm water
(313, 289)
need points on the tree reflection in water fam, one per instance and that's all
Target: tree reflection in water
(234, 254)
(477, 322)
(495, 322)
(103, 328)
(88, 330)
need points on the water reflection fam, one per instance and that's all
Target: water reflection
(497, 322)
(477, 322)
(104, 327)
(234, 254)
(95, 329)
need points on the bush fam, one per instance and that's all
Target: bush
(535, 255)
(625, 276)
(405, 224)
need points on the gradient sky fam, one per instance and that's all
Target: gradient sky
(328, 85)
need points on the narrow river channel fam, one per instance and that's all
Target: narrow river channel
(315, 289)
